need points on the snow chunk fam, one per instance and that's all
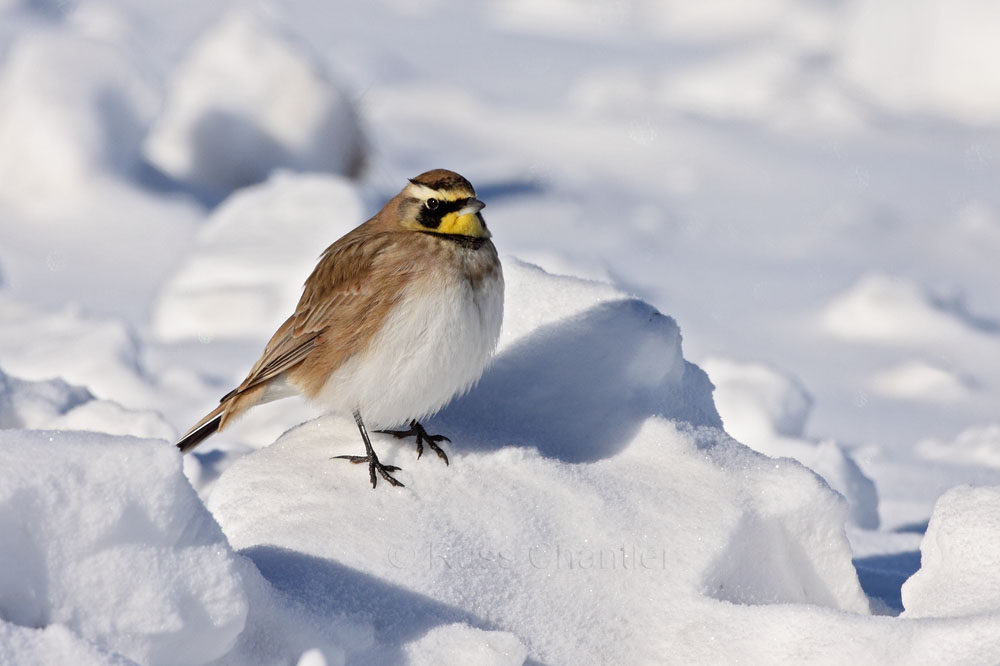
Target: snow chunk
(27, 404)
(976, 445)
(883, 309)
(919, 380)
(53, 404)
(252, 257)
(246, 100)
(462, 644)
(670, 517)
(767, 410)
(113, 419)
(101, 354)
(586, 475)
(54, 644)
(925, 57)
(588, 364)
(755, 84)
(756, 401)
(105, 536)
(958, 556)
(71, 109)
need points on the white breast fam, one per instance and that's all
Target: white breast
(434, 346)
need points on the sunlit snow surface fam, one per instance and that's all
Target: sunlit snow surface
(792, 202)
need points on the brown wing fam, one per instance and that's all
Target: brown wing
(347, 282)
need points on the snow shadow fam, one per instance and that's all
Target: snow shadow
(331, 590)
(882, 577)
(578, 389)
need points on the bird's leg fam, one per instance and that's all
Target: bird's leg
(417, 430)
(372, 459)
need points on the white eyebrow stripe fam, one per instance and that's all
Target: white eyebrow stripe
(421, 191)
(424, 192)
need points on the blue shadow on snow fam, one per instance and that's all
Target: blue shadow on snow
(882, 576)
(333, 589)
(579, 388)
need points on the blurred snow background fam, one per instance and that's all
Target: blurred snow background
(807, 189)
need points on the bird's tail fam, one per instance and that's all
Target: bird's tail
(231, 406)
(203, 429)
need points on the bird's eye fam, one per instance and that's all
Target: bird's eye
(432, 203)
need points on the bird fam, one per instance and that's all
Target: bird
(399, 316)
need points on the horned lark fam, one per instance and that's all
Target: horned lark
(399, 316)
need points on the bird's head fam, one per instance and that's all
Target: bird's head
(442, 202)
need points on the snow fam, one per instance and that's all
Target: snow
(767, 410)
(252, 255)
(131, 562)
(721, 528)
(458, 642)
(54, 404)
(744, 404)
(919, 380)
(245, 101)
(976, 445)
(916, 57)
(958, 557)
(882, 309)
(72, 111)
(100, 353)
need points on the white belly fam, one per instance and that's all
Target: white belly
(434, 346)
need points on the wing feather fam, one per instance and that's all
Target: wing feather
(341, 281)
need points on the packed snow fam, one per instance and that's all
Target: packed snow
(743, 408)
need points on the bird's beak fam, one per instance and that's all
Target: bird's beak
(472, 206)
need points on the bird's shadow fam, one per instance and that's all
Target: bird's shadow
(578, 389)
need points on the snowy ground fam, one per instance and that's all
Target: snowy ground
(805, 190)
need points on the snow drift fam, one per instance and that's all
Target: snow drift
(104, 536)
(597, 448)
(767, 410)
(249, 99)
(245, 273)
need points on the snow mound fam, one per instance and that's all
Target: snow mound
(919, 380)
(248, 99)
(927, 57)
(55, 405)
(596, 447)
(958, 556)
(28, 404)
(767, 410)
(663, 528)
(54, 644)
(883, 309)
(246, 272)
(104, 536)
(101, 354)
(758, 402)
(462, 644)
(555, 347)
(976, 445)
(71, 109)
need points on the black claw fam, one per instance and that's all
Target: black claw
(417, 430)
(373, 462)
(375, 466)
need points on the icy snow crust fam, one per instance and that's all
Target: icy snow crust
(808, 195)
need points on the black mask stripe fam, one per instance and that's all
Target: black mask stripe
(432, 218)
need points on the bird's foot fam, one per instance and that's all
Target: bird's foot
(375, 466)
(417, 430)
